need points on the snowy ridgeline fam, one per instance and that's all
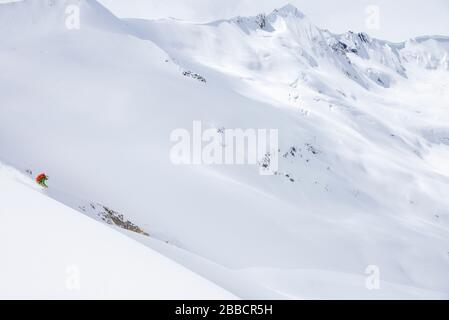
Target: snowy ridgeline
(363, 144)
(285, 42)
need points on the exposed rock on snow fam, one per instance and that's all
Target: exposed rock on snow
(111, 217)
(194, 76)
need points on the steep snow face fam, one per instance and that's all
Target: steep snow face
(50, 251)
(362, 177)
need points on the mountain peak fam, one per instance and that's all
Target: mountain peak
(288, 10)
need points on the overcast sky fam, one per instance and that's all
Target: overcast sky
(393, 20)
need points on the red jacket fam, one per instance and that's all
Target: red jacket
(41, 177)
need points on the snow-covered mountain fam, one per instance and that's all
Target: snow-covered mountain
(363, 137)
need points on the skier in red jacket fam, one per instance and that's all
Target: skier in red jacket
(41, 179)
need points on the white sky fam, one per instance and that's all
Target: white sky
(398, 19)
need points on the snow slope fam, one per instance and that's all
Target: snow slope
(50, 251)
(363, 178)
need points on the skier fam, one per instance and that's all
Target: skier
(41, 179)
